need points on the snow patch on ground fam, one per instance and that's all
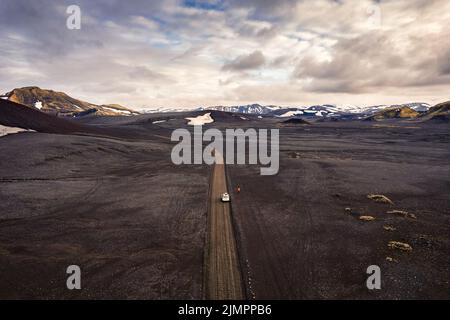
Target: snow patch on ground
(200, 120)
(4, 130)
(290, 114)
(38, 105)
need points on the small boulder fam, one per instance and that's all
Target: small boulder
(402, 213)
(400, 246)
(380, 198)
(390, 259)
(366, 218)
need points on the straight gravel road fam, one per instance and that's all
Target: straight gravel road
(223, 277)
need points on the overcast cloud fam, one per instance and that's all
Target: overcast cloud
(188, 53)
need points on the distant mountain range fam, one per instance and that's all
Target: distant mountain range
(326, 110)
(61, 104)
(318, 111)
(438, 113)
(416, 110)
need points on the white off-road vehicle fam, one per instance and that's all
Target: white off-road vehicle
(225, 197)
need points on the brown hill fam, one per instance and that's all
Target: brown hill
(394, 113)
(438, 113)
(59, 103)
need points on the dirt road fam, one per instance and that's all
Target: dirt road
(222, 278)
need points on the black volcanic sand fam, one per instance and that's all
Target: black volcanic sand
(135, 223)
(119, 209)
(297, 240)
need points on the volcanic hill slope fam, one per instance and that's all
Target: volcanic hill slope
(440, 112)
(59, 103)
(394, 113)
(17, 115)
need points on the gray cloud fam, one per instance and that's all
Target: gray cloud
(444, 62)
(368, 63)
(267, 9)
(164, 53)
(251, 61)
(143, 73)
(255, 31)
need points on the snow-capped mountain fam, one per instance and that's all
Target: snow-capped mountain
(319, 111)
(326, 110)
(308, 111)
(249, 109)
(163, 110)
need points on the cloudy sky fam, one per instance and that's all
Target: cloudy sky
(189, 53)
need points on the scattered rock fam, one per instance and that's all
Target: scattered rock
(295, 155)
(389, 228)
(366, 218)
(380, 198)
(400, 246)
(402, 213)
(390, 259)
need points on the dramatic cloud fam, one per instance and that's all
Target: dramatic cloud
(382, 58)
(246, 62)
(188, 53)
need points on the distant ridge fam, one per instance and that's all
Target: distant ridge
(346, 112)
(61, 104)
(394, 113)
(13, 114)
(438, 113)
(295, 121)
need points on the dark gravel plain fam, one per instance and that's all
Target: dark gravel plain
(111, 201)
(297, 239)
